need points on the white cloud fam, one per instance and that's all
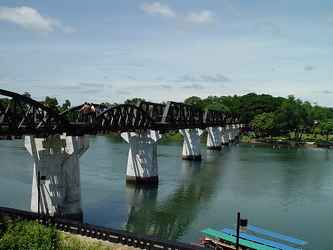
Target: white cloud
(204, 16)
(30, 19)
(157, 8)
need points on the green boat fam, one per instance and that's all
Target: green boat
(226, 240)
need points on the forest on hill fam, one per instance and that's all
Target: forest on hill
(272, 116)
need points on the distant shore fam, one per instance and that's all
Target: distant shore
(287, 143)
(175, 137)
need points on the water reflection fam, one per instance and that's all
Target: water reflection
(287, 190)
(171, 218)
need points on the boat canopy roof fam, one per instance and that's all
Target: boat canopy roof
(275, 235)
(259, 240)
(229, 238)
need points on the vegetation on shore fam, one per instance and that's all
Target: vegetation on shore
(23, 235)
(267, 116)
(314, 139)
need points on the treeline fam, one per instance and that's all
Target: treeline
(272, 116)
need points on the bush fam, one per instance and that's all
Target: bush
(23, 235)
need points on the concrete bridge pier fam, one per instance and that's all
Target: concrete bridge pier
(237, 131)
(56, 186)
(142, 167)
(224, 136)
(191, 145)
(214, 138)
(230, 133)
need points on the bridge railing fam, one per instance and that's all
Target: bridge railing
(98, 232)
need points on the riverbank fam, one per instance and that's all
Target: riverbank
(73, 241)
(31, 235)
(278, 143)
(309, 140)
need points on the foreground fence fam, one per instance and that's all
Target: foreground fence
(97, 232)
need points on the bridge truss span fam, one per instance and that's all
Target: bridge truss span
(21, 115)
(124, 117)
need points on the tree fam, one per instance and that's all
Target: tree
(66, 105)
(253, 104)
(51, 102)
(294, 116)
(264, 124)
(107, 104)
(218, 107)
(322, 113)
(134, 101)
(195, 101)
(326, 127)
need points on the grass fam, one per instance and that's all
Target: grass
(25, 235)
(22, 235)
(75, 242)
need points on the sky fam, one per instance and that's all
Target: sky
(112, 50)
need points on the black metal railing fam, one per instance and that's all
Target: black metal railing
(98, 232)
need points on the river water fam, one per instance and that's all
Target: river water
(287, 190)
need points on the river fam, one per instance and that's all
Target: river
(286, 190)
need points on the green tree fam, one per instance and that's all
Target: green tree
(108, 104)
(294, 117)
(253, 104)
(195, 101)
(134, 101)
(218, 107)
(264, 124)
(51, 102)
(322, 113)
(65, 106)
(326, 127)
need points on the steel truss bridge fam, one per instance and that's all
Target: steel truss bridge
(21, 115)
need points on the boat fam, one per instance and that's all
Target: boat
(251, 238)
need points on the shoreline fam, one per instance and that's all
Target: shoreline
(288, 144)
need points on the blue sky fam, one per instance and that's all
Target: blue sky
(111, 50)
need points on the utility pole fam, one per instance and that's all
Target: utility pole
(38, 192)
(237, 236)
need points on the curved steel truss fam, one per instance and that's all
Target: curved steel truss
(124, 117)
(21, 115)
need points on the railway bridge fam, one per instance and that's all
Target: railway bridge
(56, 141)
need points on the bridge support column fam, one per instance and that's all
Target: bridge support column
(224, 136)
(191, 145)
(214, 138)
(237, 131)
(56, 174)
(142, 167)
(230, 133)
